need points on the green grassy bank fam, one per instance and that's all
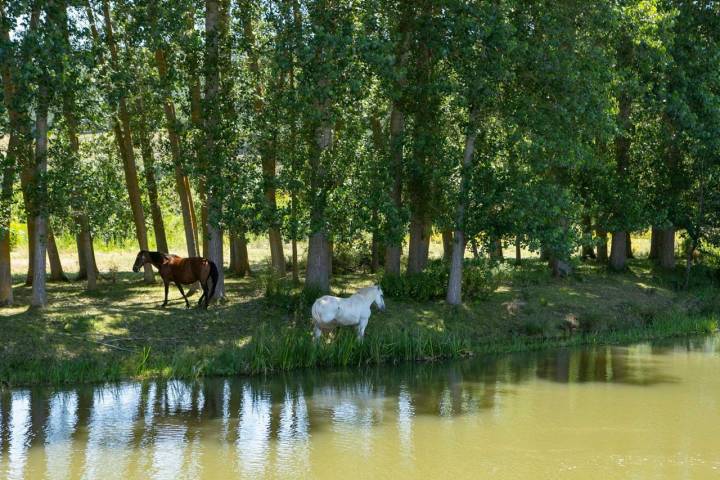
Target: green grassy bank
(118, 331)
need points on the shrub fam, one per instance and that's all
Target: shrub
(480, 279)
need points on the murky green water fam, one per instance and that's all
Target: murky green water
(645, 411)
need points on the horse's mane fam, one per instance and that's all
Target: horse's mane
(366, 291)
(158, 257)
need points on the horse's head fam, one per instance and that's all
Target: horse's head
(141, 259)
(379, 299)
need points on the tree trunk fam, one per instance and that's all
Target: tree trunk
(6, 291)
(666, 248)
(447, 239)
(39, 209)
(239, 259)
(393, 249)
(457, 254)
(56, 270)
(518, 251)
(474, 248)
(602, 249)
(148, 159)
(182, 185)
(214, 167)
(375, 248)
(318, 262)
(295, 266)
(123, 136)
(618, 254)
(419, 244)
(84, 244)
(319, 266)
(587, 250)
(628, 246)
(655, 238)
(496, 250)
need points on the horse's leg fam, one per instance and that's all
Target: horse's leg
(317, 333)
(167, 285)
(182, 292)
(205, 295)
(361, 328)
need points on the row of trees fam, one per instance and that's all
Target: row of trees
(548, 124)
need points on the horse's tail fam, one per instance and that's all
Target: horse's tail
(214, 277)
(316, 311)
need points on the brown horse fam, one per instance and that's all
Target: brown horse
(181, 271)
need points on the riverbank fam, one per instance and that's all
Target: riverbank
(118, 332)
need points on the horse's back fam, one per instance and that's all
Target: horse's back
(325, 308)
(190, 269)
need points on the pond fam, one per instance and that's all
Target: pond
(640, 411)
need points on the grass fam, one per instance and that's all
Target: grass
(119, 331)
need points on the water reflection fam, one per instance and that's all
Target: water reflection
(266, 427)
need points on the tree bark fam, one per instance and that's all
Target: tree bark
(148, 159)
(654, 244)
(56, 270)
(123, 136)
(496, 250)
(618, 254)
(86, 255)
(39, 187)
(666, 248)
(447, 239)
(239, 259)
(375, 248)
(393, 250)
(602, 249)
(518, 250)
(268, 158)
(182, 185)
(587, 250)
(454, 289)
(319, 266)
(419, 243)
(628, 246)
(213, 35)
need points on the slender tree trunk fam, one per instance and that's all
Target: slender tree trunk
(56, 270)
(182, 185)
(146, 151)
(39, 212)
(318, 262)
(239, 259)
(496, 250)
(295, 266)
(26, 184)
(419, 243)
(655, 238)
(123, 134)
(375, 248)
(454, 290)
(602, 249)
(587, 250)
(393, 249)
(628, 246)
(6, 291)
(84, 244)
(518, 250)
(212, 123)
(618, 255)
(447, 239)
(268, 158)
(666, 248)
(474, 248)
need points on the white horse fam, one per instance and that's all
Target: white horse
(328, 312)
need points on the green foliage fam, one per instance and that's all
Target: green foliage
(480, 279)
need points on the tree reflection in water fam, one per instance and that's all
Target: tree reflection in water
(174, 428)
